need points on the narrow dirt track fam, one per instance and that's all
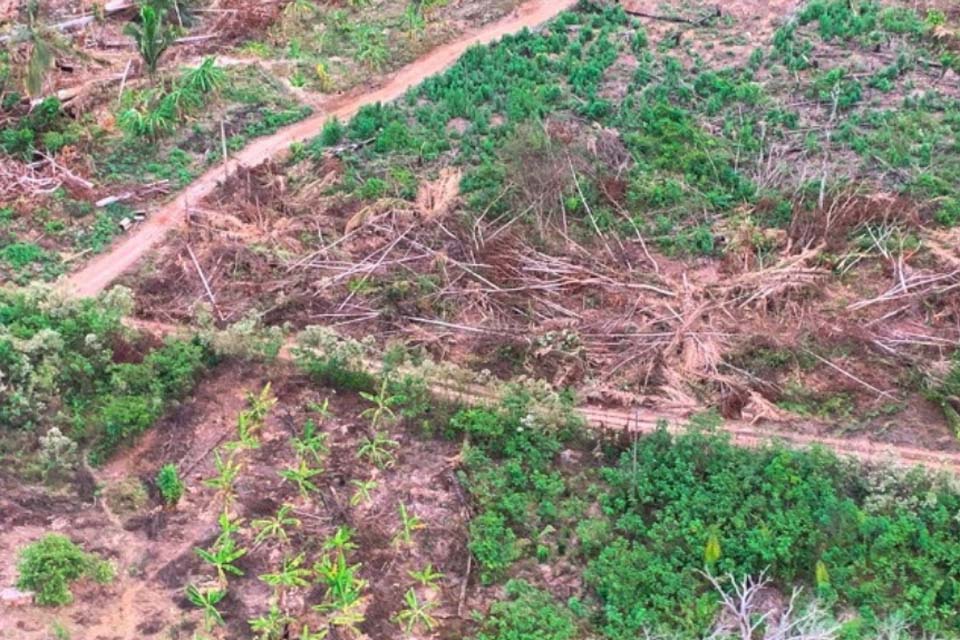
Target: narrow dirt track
(96, 275)
(644, 420)
(742, 433)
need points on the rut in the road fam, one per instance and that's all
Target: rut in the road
(101, 271)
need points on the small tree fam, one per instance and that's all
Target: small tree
(43, 43)
(151, 35)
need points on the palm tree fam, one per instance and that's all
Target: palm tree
(151, 35)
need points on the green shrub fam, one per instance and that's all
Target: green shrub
(949, 212)
(58, 363)
(805, 517)
(332, 360)
(373, 188)
(528, 614)
(332, 133)
(493, 544)
(49, 565)
(169, 484)
(141, 392)
(31, 133)
(22, 254)
(786, 511)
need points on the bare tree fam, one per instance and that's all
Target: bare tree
(744, 616)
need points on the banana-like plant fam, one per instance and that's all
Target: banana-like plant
(43, 44)
(276, 526)
(291, 575)
(362, 493)
(302, 477)
(207, 600)
(222, 557)
(416, 614)
(409, 523)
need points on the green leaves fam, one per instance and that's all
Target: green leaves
(157, 111)
(206, 78)
(50, 564)
(527, 614)
(222, 557)
(712, 552)
(409, 523)
(821, 574)
(207, 600)
(251, 420)
(416, 614)
(378, 450)
(292, 574)
(427, 577)
(275, 527)
(169, 484)
(302, 476)
(151, 35)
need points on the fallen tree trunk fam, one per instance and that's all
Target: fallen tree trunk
(110, 8)
(716, 13)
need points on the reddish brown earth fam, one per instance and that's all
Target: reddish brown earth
(95, 276)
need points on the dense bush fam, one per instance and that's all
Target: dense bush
(527, 78)
(45, 128)
(511, 475)
(49, 565)
(58, 368)
(881, 547)
(790, 511)
(528, 614)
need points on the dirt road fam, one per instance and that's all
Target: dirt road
(616, 421)
(96, 275)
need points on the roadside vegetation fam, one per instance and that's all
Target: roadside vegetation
(606, 171)
(92, 134)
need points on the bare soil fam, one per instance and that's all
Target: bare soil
(152, 548)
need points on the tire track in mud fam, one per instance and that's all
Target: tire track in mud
(97, 274)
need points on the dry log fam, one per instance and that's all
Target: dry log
(110, 8)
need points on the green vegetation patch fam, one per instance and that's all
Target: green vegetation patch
(69, 365)
(48, 567)
(503, 94)
(644, 525)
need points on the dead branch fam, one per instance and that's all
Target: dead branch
(744, 615)
(108, 9)
(697, 22)
(206, 283)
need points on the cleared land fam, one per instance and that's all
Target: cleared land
(630, 324)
